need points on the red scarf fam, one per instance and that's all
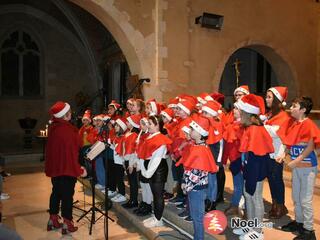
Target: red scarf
(152, 143)
(256, 139)
(198, 157)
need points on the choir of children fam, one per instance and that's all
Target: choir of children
(198, 138)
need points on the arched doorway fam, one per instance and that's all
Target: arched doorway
(110, 17)
(260, 67)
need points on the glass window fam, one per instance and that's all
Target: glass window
(20, 66)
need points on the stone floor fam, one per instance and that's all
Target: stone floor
(26, 212)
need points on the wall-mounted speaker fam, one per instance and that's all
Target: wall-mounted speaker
(210, 20)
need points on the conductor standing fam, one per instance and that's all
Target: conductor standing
(62, 166)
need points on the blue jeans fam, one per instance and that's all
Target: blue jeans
(212, 187)
(196, 206)
(237, 189)
(100, 170)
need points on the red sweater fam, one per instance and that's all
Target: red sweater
(62, 150)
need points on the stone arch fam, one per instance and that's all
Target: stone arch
(129, 40)
(21, 8)
(277, 58)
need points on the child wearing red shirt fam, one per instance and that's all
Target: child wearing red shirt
(302, 138)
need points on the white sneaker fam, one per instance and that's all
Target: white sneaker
(99, 186)
(111, 193)
(119, 198)
(154, 223)
(148, 219)
(252, 235)
(241, 231)
(4, 196)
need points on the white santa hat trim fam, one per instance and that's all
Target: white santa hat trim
(199, 129)
(98, 117)
(186, 129)
(241, 89)
(201, 100)
(186, 110)
(247, 107)
(210, 111)
(208, 98)
(276, 93)
(172, 105)
(121, 124)
(85, 117)
(63, 111)
(166, 115)
(133, 123)
(154, 108)
(106, 118)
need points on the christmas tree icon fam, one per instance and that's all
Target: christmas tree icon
(214, 224)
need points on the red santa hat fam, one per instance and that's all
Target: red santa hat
(114, 104)
(155, 108)
(186, 106)
(59, 109)
(87, 115)
(244, 89)
(167, 113)
(281, 93)
(173, 102)
(189, 98)
(134, 120)
(219, 97)
(212, 107)
(201, 125)
(251, 104)
(203, 98)
(122, 123)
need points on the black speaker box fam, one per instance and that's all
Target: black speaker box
(209, 20)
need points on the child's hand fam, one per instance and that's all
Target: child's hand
(281, 158)
(292, 164)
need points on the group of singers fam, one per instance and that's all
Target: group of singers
(192, 138)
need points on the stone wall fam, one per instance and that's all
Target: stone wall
(65, 73)
(160, 40)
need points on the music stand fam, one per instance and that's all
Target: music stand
(95, 150)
